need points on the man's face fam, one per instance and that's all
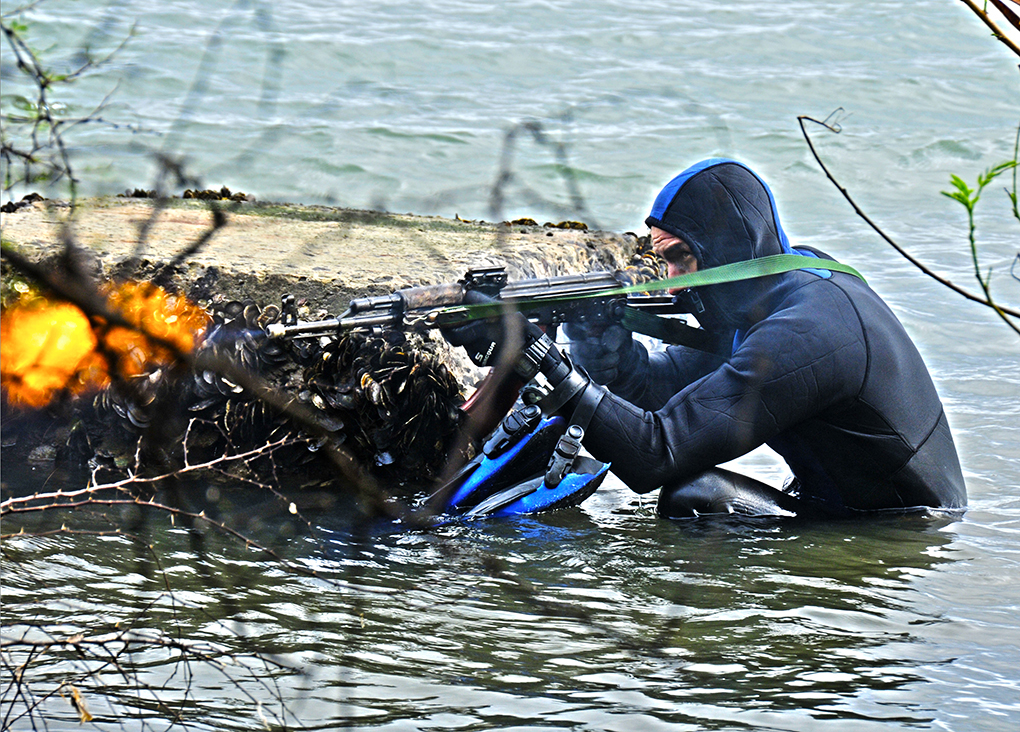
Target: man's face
(677, 253)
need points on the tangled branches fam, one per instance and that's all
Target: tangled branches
(72, 663)
(173, 514)
(33, 137)
(63, 659)
(112, 667)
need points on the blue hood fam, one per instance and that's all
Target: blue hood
(726, 213)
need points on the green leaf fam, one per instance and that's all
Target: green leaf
(960, 184)
(992, 173)
(958, 196)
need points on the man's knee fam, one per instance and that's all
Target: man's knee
(721, 491)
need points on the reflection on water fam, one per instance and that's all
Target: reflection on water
(607, 616)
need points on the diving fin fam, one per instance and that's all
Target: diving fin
(569, 479)
(516, 451)
(493, 503)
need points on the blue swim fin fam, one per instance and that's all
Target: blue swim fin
(518, 450)
(568, 480)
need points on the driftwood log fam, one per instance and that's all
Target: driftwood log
(223, 254)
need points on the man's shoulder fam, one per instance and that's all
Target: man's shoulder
(812, 295)
(817, 252)
(816, 310)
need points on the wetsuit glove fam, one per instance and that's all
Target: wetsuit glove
(599, 348)
(484, 339)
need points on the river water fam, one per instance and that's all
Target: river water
(601, 617)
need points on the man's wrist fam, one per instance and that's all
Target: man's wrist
(530, 362)
(553, 388)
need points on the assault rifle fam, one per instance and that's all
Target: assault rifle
(595, 297)
(592, 297)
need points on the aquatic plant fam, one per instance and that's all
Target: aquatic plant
(969, 198)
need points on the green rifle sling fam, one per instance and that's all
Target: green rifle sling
(669, 330)
(672, 330)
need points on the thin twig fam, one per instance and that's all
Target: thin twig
(1011, 18)
(906, 255)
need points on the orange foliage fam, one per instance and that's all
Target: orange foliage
(47, 346)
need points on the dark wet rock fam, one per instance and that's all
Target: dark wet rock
(209, 194)
(26, 202)
(223, 194)
(572, 225)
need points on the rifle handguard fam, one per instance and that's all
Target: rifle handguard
(429, 296)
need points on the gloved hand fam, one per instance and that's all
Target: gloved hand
(484, 339)
(565, 390)
(598, 348)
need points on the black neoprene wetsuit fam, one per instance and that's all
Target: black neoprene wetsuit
(821, 370)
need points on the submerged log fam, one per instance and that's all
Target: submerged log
(226, 256)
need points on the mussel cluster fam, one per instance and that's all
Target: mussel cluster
(237, 339)
(388, 397)
(644, 265)
(203, 406)
(385, 396)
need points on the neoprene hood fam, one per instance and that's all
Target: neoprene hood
(726, 214)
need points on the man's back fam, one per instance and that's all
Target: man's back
(886, 443)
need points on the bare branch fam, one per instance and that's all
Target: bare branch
(986, 301)
(1010, 16)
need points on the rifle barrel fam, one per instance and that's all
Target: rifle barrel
(561, 286)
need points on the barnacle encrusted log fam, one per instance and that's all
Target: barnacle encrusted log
(385, 396)
(391, 398)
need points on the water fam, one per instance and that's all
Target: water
(602, 617)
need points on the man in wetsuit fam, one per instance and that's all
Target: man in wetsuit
(810, 362)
